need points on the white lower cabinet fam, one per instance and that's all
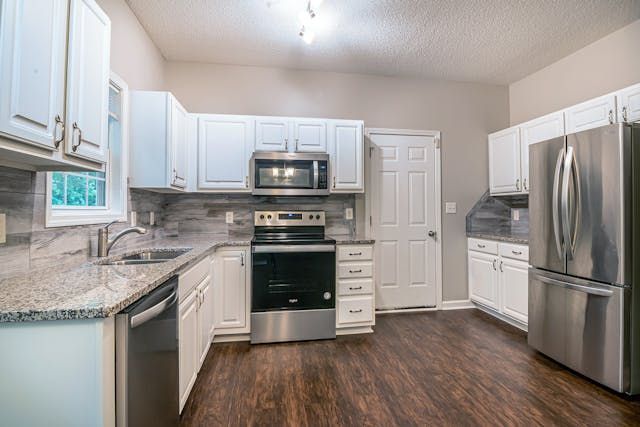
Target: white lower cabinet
(188, 345)
(205, 319)
(498, 277)
(355, 299)
(232, 293)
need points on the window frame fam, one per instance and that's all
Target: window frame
(116, 205)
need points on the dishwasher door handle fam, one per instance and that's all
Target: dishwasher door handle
(154, 311)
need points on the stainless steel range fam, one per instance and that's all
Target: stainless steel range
(294, 270)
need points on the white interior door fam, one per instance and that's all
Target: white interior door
(405, 215)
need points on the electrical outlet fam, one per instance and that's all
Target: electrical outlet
(451, 207)
(133, 218)
(515, 214)
(152, 218)
(348, 213)
(229, 218)
(3, 229)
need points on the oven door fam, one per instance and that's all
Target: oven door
(275, 174)
(293, 277)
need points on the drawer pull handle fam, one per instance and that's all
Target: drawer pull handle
(357, 288)
(481, 246)
(355, 253)
(356, 311)
(355, 271)
(516, 252)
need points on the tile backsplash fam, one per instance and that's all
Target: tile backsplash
(495, 215)
(30, 245)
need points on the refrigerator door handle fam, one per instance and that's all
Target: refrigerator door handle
(564, 202)
(575, 287)
(554, 204)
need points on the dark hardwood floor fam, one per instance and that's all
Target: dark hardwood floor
(441, 368)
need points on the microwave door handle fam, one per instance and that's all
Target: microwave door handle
(315, 174)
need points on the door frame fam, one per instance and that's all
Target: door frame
(369, 179)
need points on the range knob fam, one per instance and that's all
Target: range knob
(317, 217)
(310, 216)
(261, 216)
(268, 216)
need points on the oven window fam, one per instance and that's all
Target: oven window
(293, 281)
(283, 174)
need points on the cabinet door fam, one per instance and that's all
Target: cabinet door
(504, 162)
(272, 134)
(347, 154)
(514, 284)
(33, 37)
(224, 149)
(591, 114)
(541, 129)
(231, 298)
(87, 81)
(188, 345)
(310, 136)
(483, 279)
(205, 319)
(178, 143)
(628, 101)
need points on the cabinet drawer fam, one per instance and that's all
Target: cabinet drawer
(355, 253)
(486, 246)
(509, 250)
(355, 309)
(355, 286)
(355, 269)
(192, 277)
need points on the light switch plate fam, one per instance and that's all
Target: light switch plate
(229, 218)
(3, 229)
(451, 207)
(348, 213)
(515, 214)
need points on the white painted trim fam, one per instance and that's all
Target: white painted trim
(461, 304)
(500, 316)
(354, 330)
(438, 193)
(406, 310)
(231, 338)
(76, 216)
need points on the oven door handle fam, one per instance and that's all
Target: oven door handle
(272, 249)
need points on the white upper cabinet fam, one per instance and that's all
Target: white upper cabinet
(504, 162)
(541, 129)
(272, 134)
(87, 81)
(591, 114)
(33, 37)
(629, 104)
(159, 148)
(224, 149)
(310, 136)
(346, 146)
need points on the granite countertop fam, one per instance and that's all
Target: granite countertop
(500, 237)
(347, 239)
(97, 291)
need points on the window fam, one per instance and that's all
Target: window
(77, 198)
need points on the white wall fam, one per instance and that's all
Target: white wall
(608, 64)
(134, 56)
(463, 112)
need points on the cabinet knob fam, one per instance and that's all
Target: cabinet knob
(611, 116)
(431, 233)
(524, 184)
(518, 184)
(74, 147)
(624, 114)
(286, 144)
(246, 181)
(334, 182)
(59, 122)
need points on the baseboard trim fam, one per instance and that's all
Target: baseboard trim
(502, 317)
(406, 310)
(461, 304)
(231, 338)
(354, 330)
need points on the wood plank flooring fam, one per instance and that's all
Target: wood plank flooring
(440, 368)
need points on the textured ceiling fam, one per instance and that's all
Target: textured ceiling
(490, 41)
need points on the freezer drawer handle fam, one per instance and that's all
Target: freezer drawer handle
(586, 289)
(154, 311)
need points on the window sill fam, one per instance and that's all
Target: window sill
(68, 218)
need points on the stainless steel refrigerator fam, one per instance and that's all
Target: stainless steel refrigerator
(584, 214)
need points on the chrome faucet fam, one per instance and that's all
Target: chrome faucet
(105, 244)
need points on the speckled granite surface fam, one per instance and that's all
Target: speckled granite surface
(347, 239)
(500, 237)
(94, 291)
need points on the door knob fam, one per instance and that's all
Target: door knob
(432, 233)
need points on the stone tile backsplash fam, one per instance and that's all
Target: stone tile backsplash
(494, 216)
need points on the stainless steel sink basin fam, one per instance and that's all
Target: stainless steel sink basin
(151, 256)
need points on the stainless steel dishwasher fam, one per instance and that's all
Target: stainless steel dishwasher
(147, 360)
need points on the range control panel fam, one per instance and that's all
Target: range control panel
(289, 218)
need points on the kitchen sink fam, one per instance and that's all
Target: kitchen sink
(151, 256)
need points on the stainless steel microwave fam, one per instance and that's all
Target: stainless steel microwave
(290, 174)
